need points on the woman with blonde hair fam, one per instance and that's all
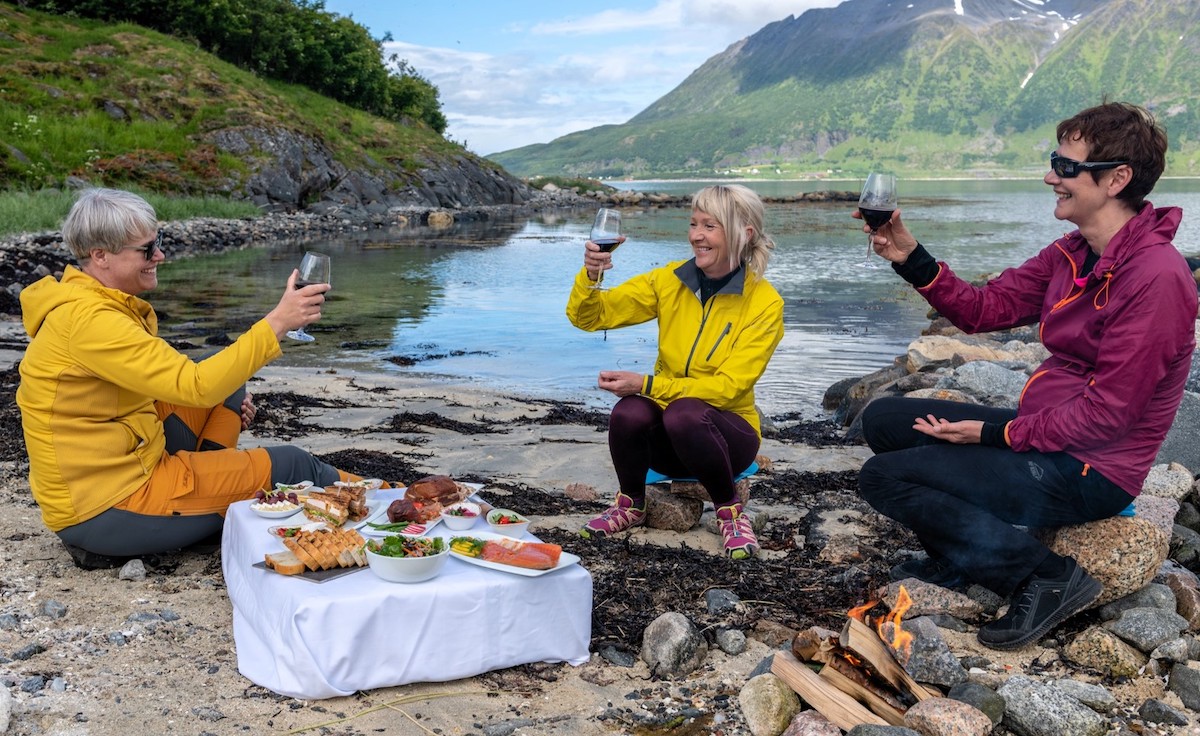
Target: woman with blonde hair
(719, 322)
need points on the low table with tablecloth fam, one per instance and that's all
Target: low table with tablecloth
(357, 632)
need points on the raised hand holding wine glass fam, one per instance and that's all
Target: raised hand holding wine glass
(314, 269)
(876, 205)
(606, 233)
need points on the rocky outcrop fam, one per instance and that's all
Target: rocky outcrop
(289, 171)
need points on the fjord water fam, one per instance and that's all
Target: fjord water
(484, 303)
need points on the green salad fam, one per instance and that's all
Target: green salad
(407, 546)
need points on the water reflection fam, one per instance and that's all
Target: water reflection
(485, 302)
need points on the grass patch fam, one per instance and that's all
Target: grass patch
(43, 210)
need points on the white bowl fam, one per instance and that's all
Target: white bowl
(461, 523)
(407, 569)
(508, 530)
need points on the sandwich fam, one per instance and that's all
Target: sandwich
(326, 507)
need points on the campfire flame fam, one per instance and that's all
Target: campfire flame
(891, 631)
(889, 627)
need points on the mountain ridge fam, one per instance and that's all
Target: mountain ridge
(921, 89)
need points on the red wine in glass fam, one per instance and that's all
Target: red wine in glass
(314, 269)
(606, 233)
(874, 218)
(876, 205)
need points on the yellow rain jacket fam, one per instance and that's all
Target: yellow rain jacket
(714, 352)
(89, 379)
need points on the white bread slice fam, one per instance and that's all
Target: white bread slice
(300, 552)
(312, 546)
(284, 563)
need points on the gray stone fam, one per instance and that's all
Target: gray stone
(981, 697)
(134, 570)
(1146, 628)
(619, 657)
(1154, 595)
(870, 729)
(52, 609)
(1034, 709)
(1180, 445)
(1176, 650)
(509, 727)
(1185, 545)
(983, 378)
(1156, 711)
(731, 641)
(931, 660)
(9, 622)
(720, 600)
(768, 705)
(207, 713)
(1185, 682)
(1188, 516)
(1095, 697)
(34, 684)
(1169, 480)
(672, 645)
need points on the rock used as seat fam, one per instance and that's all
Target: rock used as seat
(678, 506)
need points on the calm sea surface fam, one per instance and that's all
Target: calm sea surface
(485, 302)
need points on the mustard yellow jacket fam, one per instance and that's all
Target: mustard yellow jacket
(89, 379)
(715, 352)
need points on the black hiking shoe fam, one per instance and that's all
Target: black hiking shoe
(929, 570)
(86, 560)
(1040, 606)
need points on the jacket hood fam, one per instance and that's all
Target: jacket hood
(42, 297)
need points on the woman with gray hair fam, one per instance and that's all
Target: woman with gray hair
(133, 445)
(719, 322)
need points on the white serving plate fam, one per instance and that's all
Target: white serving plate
(380, 517)
(308, 526)
(281, 514)
(566, 559)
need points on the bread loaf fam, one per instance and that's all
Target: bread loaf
(440, 488)
(284, 563)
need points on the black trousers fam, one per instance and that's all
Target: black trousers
(965, 502)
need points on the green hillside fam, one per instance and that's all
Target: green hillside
(123, 105)
(922, 92)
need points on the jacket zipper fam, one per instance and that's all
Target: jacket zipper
(704, 312)
(724, 332)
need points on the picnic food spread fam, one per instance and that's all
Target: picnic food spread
(320, 549)
(531, 555)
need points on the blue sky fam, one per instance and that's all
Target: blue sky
(516, 72)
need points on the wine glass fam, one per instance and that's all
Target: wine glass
(314, 269)
(606, 233)
(876, 205)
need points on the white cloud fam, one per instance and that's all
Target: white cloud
(579, 72)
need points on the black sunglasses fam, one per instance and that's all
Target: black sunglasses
(149, 248)
(1067, 168)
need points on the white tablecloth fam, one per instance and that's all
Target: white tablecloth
(357, 632)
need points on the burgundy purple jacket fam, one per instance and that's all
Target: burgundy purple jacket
(1120, 339)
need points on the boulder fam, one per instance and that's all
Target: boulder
(1123, 553)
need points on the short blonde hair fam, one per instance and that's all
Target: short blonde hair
(109, 219)
(737, 207)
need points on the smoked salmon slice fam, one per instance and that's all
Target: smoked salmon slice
(530, 555)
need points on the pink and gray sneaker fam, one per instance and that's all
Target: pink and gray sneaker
(737, 535)
(616, 518)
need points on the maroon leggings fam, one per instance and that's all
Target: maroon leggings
(688, 439)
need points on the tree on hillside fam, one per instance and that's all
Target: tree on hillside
(294, 41)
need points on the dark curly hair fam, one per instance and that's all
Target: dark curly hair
(1120, 131)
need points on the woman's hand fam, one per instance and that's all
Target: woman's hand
(597, 261)
(966, 432)
(893, 241)
(248, 410)
(621, 383)
(297, 307)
